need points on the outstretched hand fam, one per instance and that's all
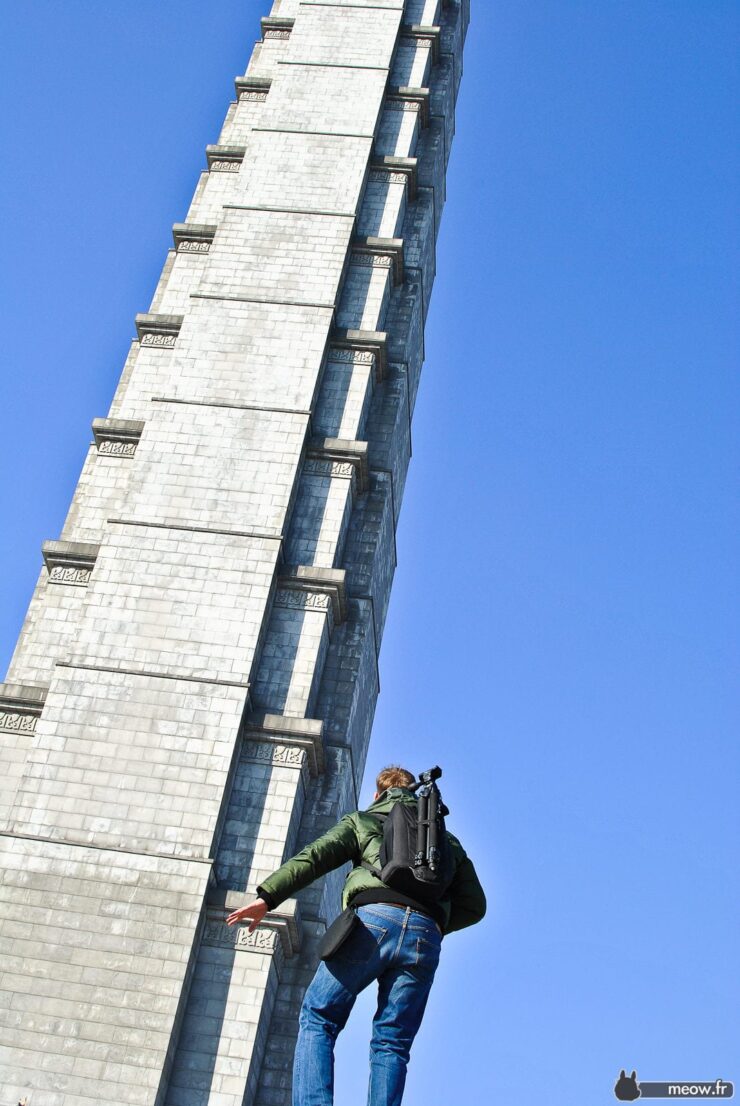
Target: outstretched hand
(254, 913)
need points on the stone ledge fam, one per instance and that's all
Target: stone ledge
(69, 562)
(285, 920)
(343, 451)
(404, 94)
(281, 729)
(158, 330)
(406, 167)
(21, 706)
(259, 748)
(275, 26)
(373, 343)
(252, 88)
(315, 581)
(118, 437)
(432, 34)
(225, 158)
(193, 237)
(120, 430)
(29, 698)
(391, 248)
(264, 941)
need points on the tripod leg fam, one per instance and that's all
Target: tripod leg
(422, 806)
(432, 841)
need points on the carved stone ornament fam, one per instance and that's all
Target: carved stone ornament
(225, 166)
(371, 260)
(20, 707)
(302, 600)
(117, 448)
(69, 574)
(193, 245)
(276, 34)
(387, 176)
(217, 934)
(354, 356)
(395, 103)
(69, 562)
(13, 721)
(304, 734)
(117, 437)
(288, 755)
(159, 341)
(256, 96)
(317, 467)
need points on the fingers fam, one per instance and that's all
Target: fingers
(246, 913)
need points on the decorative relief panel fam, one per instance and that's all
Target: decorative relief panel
(360, 347)
(13, 721)
(20, 707)
(69, 562)
(275, 26)
(193, 245)
(397, 104)
(225, 166)
(302, 600)
(217, 934)
(387, 176)
(252, 94)
(252, 88)
(290, 756)
(158, 331)
(354, 356)
(159, 341)
(193, 237)
(372, 260)
(117, 448)
(117, 437)
(225, 159)
(318, 467)
(69, 574)
(301, 734)
(409, 99)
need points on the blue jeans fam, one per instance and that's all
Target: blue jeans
(400, 948)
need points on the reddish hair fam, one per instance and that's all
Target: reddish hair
(394, 776)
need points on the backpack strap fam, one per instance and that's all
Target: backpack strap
(363, 863)
(371, 868)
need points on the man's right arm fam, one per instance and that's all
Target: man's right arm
(330, 851)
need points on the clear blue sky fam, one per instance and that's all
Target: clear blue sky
(561, 629)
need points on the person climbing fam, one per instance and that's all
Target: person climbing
(385, 934)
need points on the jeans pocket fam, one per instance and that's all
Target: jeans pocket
(363, 943)
(427, 954)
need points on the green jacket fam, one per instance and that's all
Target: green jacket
(358, 837)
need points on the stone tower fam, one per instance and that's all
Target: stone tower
(192, 693)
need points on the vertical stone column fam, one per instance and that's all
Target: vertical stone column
(192, 692)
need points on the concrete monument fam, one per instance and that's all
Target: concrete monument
(192, 692)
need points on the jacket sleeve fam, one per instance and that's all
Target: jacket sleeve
(468, 901)
(330, 851)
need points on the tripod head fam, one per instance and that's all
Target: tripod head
(426, 778)
(428, 781)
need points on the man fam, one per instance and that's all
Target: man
(397, 942)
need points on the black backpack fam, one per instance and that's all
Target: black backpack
(415, 853)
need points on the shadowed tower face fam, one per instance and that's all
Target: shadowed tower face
(192, 693)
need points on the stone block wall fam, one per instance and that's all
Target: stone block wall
(192, 693)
